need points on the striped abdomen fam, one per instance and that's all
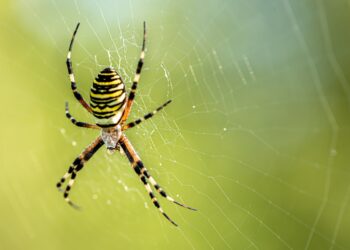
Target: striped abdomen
(108, 98)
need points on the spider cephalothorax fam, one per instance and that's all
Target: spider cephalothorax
(111, 106)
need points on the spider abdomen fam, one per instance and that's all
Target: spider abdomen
(108, 98)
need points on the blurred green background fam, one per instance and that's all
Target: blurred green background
(257, 136)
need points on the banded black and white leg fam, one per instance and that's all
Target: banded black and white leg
(77, 95)
(135, 160)
(142, 172)
(153, 182)
(145, 117)
(76, 166)
(136, 80)
(77, 123)
(150, 193)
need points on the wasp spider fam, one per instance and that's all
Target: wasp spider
(111, 107)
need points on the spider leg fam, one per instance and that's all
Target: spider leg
(77, 95)
(76, 166)
(136, 78)
(131, 154)
(151, 194)
(136, 161)
(143, 173)
(79, 124)
(145, 117)
(158, 188)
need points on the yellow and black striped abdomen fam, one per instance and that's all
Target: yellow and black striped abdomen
(108, 98)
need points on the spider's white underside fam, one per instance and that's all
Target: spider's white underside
(111, 137)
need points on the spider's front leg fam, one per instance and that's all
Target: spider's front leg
(136, 80)
(76, 93)
(76, 166)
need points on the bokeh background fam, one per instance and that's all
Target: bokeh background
(257, 136)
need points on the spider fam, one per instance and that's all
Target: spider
(111, 107)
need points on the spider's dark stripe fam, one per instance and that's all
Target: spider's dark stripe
(105, 87)
(108, 70)
(105, 91)
(139, 67)
(103, 113)
(107, 125)
(149, 115)
(103, 106)
(104, 100)
(131, 95)
(103, 79)
(104, 116)
(107, 76)
(69, 66)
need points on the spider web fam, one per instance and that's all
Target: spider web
(256, 138)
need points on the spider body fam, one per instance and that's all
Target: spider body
(108, 98)
(110, 106)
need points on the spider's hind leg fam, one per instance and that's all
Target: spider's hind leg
(65, 177)
(151, 194)
(77, 165)
(138, 166)
(158, 188)
(72, 173)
